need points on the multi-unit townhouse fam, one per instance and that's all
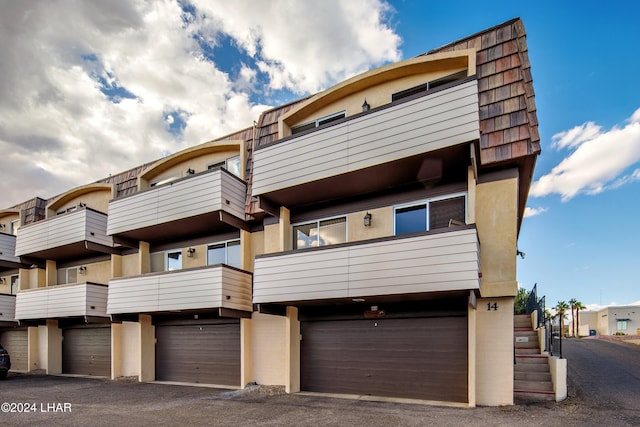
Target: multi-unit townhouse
(360, 241)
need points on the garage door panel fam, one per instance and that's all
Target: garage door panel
(86, 351)
(422, 358)
(17, 344)
(205, 353)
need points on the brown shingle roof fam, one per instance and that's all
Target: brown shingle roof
(508, 121)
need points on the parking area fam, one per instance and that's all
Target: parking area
(60, 401)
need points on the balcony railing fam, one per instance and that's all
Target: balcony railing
(79, 299)
(432, 122)
(216, 286)
(66, 235)
(7, 308)
(431, 262)
(188, 198)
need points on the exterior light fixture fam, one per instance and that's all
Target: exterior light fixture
(3, 280)
(520, 253)
(190, 252)
(366, 106)
(190, 171)
(367, 220)
(82, 270)
(2, 226)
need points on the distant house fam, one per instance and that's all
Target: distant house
(618, 319)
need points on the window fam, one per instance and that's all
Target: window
(431, 214)
(232, 165)
(13, 226)
(166, 261)
(15, 284)
(224, 253)
(319, 122)
(621, 325)
(429, 85)
(165, 180)
(67, 275)
(320, 233)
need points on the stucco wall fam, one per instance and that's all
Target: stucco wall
(496, 220)
(269, 349)
(494, 351)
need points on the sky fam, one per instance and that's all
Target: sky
(90, 88)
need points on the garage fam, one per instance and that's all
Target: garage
(389, 355)
(205, 351)
(86, 350)
(16, 342)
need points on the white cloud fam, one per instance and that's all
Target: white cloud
(598, 162)
(528, 212)
(81, 81)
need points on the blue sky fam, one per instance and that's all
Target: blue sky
(129, 82)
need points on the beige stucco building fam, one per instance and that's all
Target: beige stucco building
(612, 320)
(361, 241)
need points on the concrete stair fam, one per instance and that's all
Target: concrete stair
(531, 376)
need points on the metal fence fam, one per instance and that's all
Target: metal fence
(554, 336)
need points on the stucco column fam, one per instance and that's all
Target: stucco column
(293, 350)
(246, 351)
(53, 341)
(51, 274)
(116, 350)
(147, 349)
(33, 348)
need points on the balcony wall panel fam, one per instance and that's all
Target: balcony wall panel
(189, 289)
(442, 119)
(7, 308)
(80, 299)
(63, 230)
(441, 261)
(200, 194)
(8, 248)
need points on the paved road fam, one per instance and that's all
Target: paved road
(598, 396)
(605, 376)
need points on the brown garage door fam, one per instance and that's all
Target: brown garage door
(87, 351)
(205, 352)
(422, 358)
(17, 344)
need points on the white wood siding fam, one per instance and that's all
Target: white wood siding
(429, 263)
(80, 299)
(7, 308)
(209, 192)
(425, 124)
(8, 248)
(181, 290)
(62, 230)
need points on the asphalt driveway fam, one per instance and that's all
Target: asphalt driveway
(40, 400)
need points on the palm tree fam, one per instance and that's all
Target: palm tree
(578, 307)
(561, 310)
(573, 302)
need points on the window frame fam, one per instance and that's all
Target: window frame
(14, 281)
(317, 222)
(321, 121)
(226, 251)
(165, 260)
(428, 202)
(620, 323)
(66, 275)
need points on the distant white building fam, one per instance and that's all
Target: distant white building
(617, 319)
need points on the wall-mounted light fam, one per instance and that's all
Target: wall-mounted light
(367, 220)
(2, 226)
(366, 106)
(82, 270)
(191, 252)
(190, 171)
(520, 253)
(3, 280)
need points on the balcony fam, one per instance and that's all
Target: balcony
(8, 259)
(71, 235)
(436, 261)
(7, 309)
(216, 286)
(198, 204)
(53, 302)
(403, 142)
